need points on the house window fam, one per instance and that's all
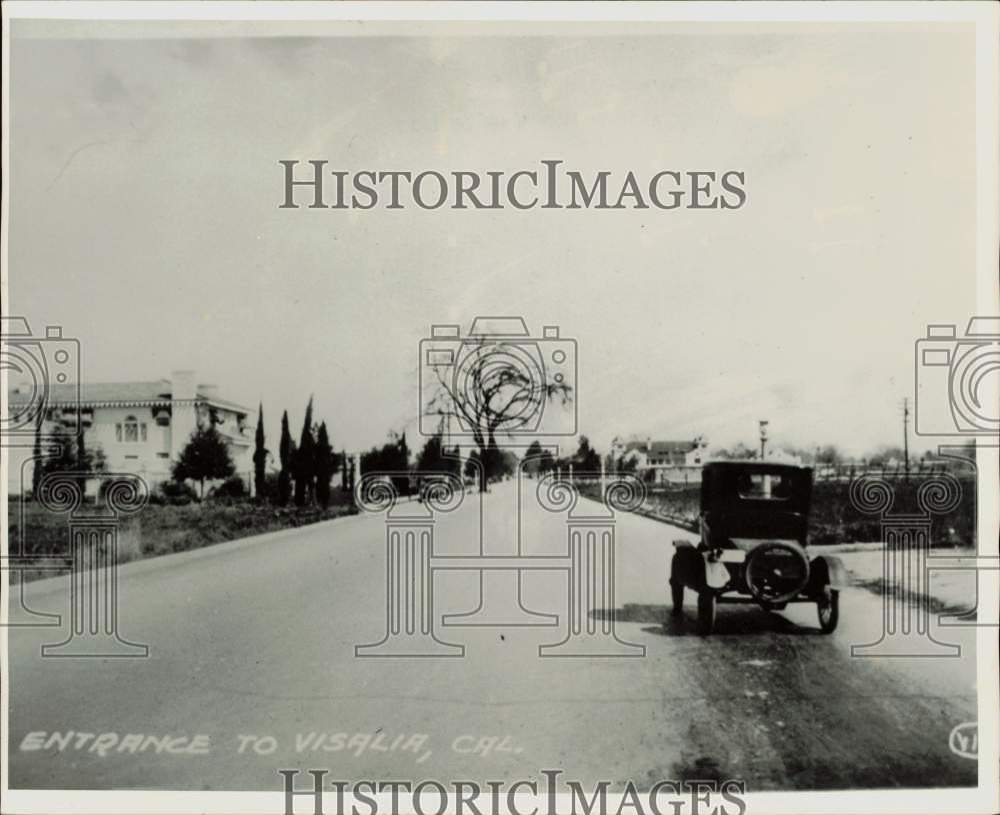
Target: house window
(130, 431)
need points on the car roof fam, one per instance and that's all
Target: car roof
(754, 464)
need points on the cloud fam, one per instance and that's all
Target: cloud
(286, 54)
(769, 91)
(109, 90)
(197, 53)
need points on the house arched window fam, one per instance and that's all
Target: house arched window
(130, 431)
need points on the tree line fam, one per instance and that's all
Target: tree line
(306, 467)
(538, 460)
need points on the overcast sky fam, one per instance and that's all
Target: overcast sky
(144, 217)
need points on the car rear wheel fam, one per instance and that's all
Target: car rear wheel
(677, 596)
(828, 610)
(776, 571)
(706, 612)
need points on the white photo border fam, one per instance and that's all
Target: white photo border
(984, 16)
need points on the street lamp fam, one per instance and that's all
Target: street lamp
(763, 437)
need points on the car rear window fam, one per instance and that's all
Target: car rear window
(765, 486)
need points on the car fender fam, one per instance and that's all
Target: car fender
(828, 570)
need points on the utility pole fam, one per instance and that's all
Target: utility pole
(763, 437)
(906, 438)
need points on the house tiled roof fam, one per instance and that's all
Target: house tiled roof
(117, 393)
(673, 446)
(661, 447)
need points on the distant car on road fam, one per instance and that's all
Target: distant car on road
(754, 521)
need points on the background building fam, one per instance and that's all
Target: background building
(673, 461)
(141, 427)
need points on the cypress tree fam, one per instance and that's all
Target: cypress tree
(304, 461)
(259, 456)
(285, 454)
(81, 449)
(326, 464)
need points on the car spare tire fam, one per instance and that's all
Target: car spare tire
(776, 571)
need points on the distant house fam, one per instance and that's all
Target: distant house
(670, 460)
(779, 456)
(142, 427)
(652, 453)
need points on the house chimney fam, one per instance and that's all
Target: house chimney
(182, 385)
(183, 418)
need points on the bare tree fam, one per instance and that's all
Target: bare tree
(496, 389)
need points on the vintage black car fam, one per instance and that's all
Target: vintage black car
(754, 522)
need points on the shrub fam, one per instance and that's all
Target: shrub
(271, 490)
(232, 487)
(177, 492)
(103, 486)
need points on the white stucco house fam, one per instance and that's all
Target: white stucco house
(668, 460)
(142, 427)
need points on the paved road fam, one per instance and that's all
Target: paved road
(256, 639)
